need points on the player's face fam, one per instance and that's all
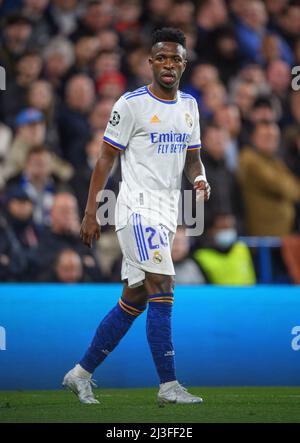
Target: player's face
(168, 62)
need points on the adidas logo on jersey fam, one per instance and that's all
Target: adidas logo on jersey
(154, 119)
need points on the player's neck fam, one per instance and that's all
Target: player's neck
(163, 93)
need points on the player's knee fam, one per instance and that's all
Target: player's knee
(137, 295)
(158, 283)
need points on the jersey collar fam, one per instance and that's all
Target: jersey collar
(162, 100)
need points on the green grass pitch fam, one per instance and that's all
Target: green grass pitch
(221, 405)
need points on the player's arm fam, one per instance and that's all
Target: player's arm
(195, 172)
(89, 226)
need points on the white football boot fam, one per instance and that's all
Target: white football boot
(173, 392)
(81, 386)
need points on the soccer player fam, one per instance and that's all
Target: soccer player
(155, 129)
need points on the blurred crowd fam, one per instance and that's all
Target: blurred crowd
(68, 61)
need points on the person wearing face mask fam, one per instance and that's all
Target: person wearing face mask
(225, 260)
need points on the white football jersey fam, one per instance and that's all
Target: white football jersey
(153, 136)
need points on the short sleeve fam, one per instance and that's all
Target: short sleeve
(195, 141)
(120, 126)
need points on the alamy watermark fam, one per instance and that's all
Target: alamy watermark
(296, 340)
(2, 79)
(296, 78)
(2, 339)
(156, 208)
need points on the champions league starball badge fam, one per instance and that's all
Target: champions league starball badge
(115, 118)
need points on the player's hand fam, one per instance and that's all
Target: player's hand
(89, 230)
(202, 188)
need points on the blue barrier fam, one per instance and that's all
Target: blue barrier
(264, 247)
(223, 336)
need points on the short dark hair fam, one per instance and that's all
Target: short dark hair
(262, 102)
(37, 150)
(260, 123)
(168, 35)
(17, 18)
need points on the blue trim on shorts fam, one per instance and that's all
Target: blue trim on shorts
(143, 236)
(137, 239)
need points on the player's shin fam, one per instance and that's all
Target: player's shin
(110, 331)
(159, 335)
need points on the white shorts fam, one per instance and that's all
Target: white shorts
(146, 248)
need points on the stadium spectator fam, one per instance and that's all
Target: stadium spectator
(181, 14)
(39, 183)
(191, 54)
(214, 96)
(224, 197)
(97, 15)
(64, 233)
(19, 217)
(292, 159)
(225, 260)
(108, 40)
(16, 33)
(31, 133)
(289, 23)
(279, 78)
(275, 9)
(255, 74)
(270, 49)
(41, 29)
(100, 114)
(67, 268)
(28, 70)
(297, 52)
(73, 125)
(58, 59)
(111, 85)
(251, 28)
(105, 63)
(81, 180)
(5, 142)
(294, 106)
(264, 108)
(127, 22)
(269, 189)
(243, 96)
(292, 151)
(155, 15)
(202, 76)
(210, 15)
(139, 69)
(41, 97)
(63, 15)
(13, 263)
(86, 49)
(187, 271)
(228, 117)
(224, 53)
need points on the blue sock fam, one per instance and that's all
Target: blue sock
(110, 331)
(160, 336)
